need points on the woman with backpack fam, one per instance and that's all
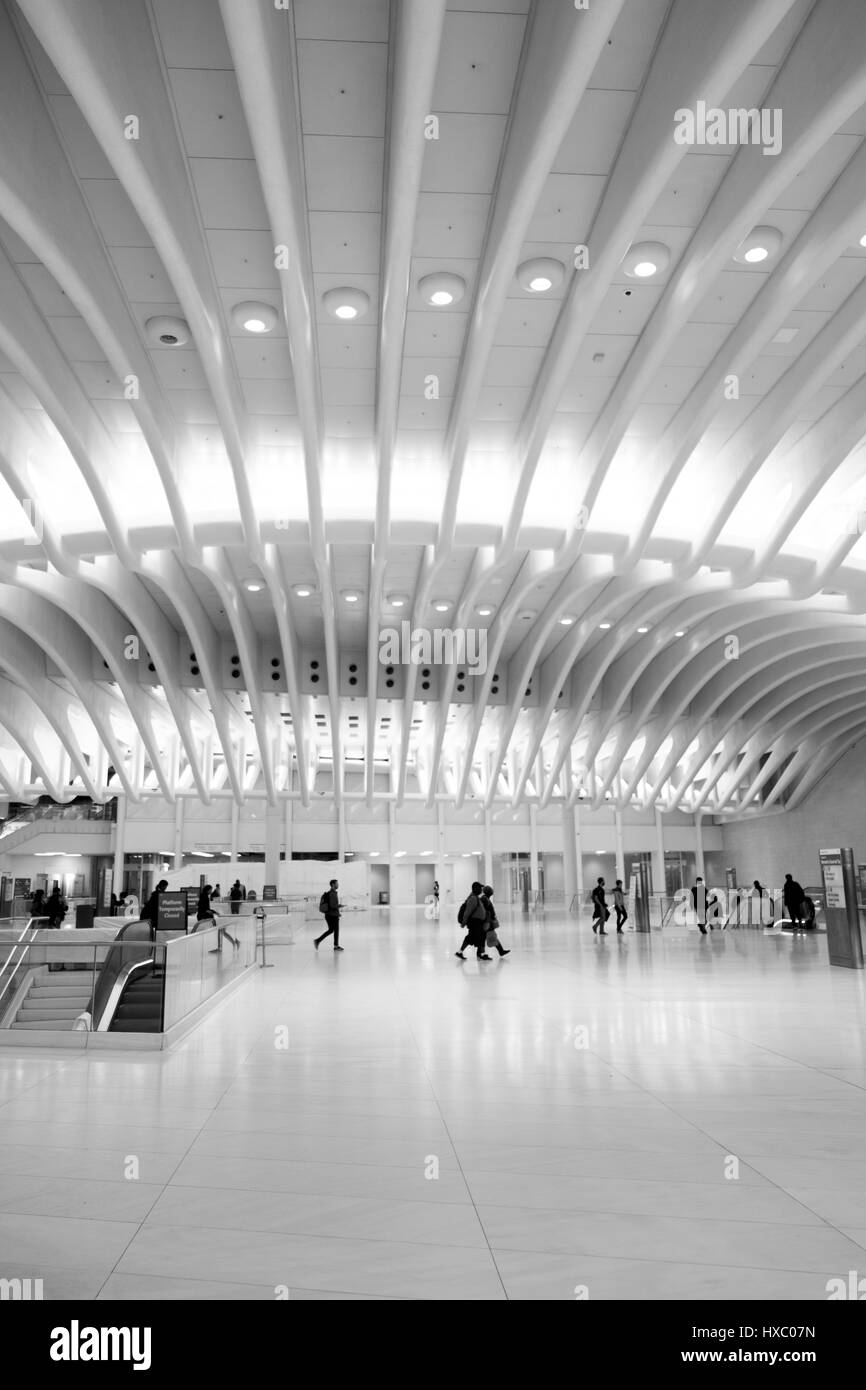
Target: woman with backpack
(473, 916)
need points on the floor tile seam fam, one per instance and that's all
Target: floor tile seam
(408, 1017)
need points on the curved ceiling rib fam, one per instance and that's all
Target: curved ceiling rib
(647, 494)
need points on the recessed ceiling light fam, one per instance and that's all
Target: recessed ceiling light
(485, 610)
(442, 288)
(397, 600)
(645, 259)
(759, 245)
(167, 331)
(253, 586)
(566, 620)
(540, 274)
(679, 634)
(374, 853)
(643, 629)
(346, 303)
(604, 626)
(303, 590)
(254, 317)
(351, 595)
(441, 605)
(399, 854)
(426, 851)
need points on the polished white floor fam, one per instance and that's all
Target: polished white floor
(558, 1121)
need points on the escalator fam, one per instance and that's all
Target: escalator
(140, 1007)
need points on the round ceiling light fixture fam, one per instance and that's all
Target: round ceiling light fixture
(485, 610)
(759, 245)
(397, 600)
(645, 259)
(442, 288)
(351, 595)
(642, 630)
(540, 275)
(863, 239)
(254, 317)
(567, 620)
(346, 303)
(253, 586)
(604, 626)
(681, 633)
(303, 590)
(442, 605)
(167, 331)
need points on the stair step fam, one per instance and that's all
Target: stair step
(132, 1025)
(47, 1026)
(66, 1011)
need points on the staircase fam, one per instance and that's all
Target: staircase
(140, 1007)
(55, 999)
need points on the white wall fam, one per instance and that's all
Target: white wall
(768, 847)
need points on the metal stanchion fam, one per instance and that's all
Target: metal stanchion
(262, 917)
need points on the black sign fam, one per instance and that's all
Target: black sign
(171, 912)
(269, 893)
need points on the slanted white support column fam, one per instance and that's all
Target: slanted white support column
(699, 845)
(341, 832)
(620, 848)
(488, 846)
(179, 805)
(658, 858)
(119, 844)
(288, 829)
(578, 849)
(234, 839)
(569, 855)
(533, 849)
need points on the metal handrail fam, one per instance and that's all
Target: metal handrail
(14, 948)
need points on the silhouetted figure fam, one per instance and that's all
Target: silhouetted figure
(55, 909)
(473, 916)
(793, 896)
(236, 897)
(329, 906)
(150, 911)
(619, 906)
(699, 903)
(37, 906)
(492, 935)
(602, 911)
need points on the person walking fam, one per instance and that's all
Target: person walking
(152, 908)
(602, 911)
(699, 903)
(236, 895)
(619, 905)
(329, 904)
(204, 912)
(793, 896)
(473, 916)
(37, 906)
(55, 908)
(492, 934)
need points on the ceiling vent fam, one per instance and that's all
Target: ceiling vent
(165, 331)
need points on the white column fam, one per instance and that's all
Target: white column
(658, 858)
(179, 803)
(119, 844)
(288, 827)
(569, 855)
(533, 849)
(440, 850)
(699, 845)
(234, 839)
(273, 842)
(341, 832)
(620, 851)
(578, 850)
(488, 847)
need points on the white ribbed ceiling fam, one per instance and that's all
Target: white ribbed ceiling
(673, 464)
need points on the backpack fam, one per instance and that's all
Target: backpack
(323, 900)
(461, 913)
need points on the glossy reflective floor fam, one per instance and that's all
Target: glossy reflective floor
(668, 1117)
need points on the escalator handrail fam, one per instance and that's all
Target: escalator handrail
(121, 980)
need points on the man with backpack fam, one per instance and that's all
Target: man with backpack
(473, 916)
(329, 906)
